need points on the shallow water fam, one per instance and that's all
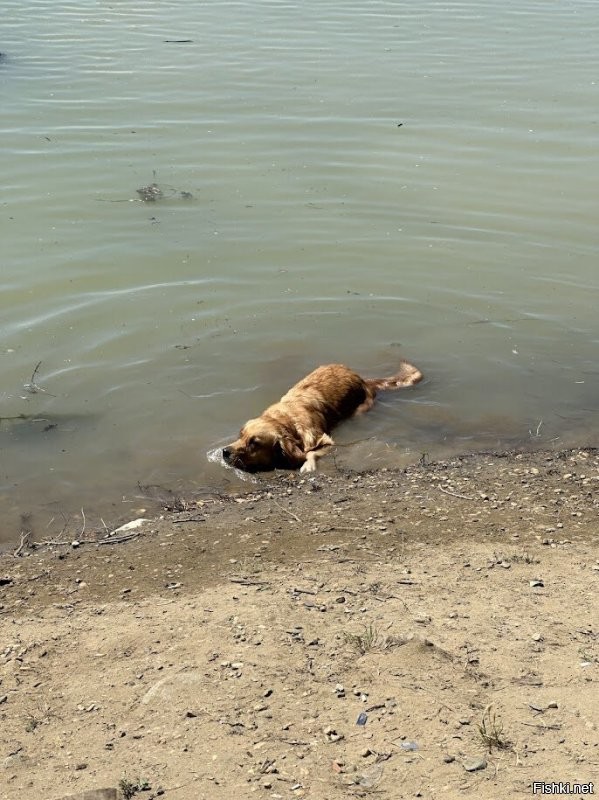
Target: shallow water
(368, 181)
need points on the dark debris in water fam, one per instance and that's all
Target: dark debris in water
(153, 192)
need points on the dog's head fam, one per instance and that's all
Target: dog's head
(265, 444)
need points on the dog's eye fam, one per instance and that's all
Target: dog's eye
(253, 440)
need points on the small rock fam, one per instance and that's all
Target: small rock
(409, 747)
(129, 526)
(536, 582)
(75, 544)
(474, 764)
(362, 719)
(332, 734)
(448, 759)
(371, 777)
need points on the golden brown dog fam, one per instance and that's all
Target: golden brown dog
(294, 433)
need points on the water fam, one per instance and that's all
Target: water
(368, 181)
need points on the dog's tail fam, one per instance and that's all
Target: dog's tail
(408, 375)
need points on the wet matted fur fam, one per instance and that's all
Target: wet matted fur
(294, 433)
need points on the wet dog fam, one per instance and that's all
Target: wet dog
(294, 433)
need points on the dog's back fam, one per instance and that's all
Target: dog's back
(337, 392)
(333, 390)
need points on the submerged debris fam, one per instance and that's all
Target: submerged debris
(153, 192)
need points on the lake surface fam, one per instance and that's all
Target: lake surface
(354, 182)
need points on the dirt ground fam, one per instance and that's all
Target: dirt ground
(427, 632)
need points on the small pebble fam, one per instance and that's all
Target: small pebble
(474, 764)
(409, 747)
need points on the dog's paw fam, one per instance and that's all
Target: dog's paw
(309, 465)
(324, 441)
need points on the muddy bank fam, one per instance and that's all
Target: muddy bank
(404, 633)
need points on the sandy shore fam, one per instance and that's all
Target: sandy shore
(428, 632)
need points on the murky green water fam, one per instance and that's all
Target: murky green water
(340, 181)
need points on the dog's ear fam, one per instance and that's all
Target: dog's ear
(291, 453)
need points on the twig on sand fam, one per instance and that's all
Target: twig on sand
(286, 510)
(119, 539)
(455, 494)
(24, 544)
(556, 727)
(181, 785)
(248, 582)
(83, 528)
(189, 519)
(55, 543)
